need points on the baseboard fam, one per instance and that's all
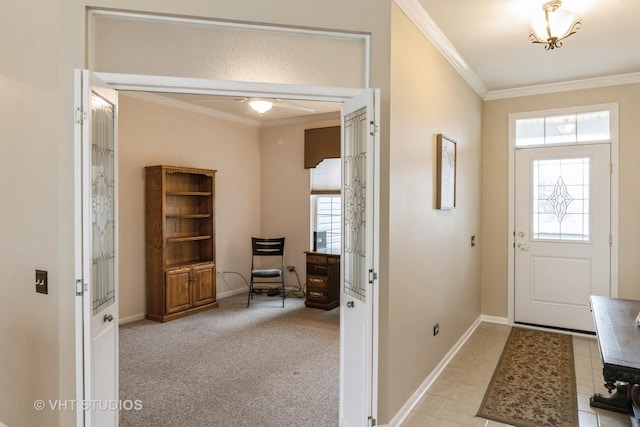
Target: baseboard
(494, 319)
(129, 319)
(232, 292)
(415, 398)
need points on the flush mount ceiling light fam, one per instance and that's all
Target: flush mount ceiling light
(260, 105)
(557, 25)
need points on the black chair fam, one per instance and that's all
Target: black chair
(267, 272)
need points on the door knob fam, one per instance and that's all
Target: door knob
(522, 246)
(108, 318)
(520, 233)
(350, 304)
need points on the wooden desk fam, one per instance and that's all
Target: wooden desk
(323, 280)
(619, 344)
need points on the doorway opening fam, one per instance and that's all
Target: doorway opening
(367, 319)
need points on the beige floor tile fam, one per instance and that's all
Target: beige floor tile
(416, 419)
(454, 398)
(442, 388)
(612, 419)
(587, 419)
(469, 394)
(430, 405)
(452, 373)
(492, 423)
(442, 422)
(583, 403)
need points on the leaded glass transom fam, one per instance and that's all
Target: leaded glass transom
(102, 204)
(561, 196)
(355, 186)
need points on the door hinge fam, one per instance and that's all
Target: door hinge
(80, 116)
(79, 287)
(610, 168)
(373, 128)
(372, 276)
(372, 422)
(610, 240)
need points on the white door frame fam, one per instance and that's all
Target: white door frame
(613, 110)
(144, 83)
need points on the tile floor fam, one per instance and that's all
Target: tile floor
(455, 396)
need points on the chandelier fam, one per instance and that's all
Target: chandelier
(557, 25)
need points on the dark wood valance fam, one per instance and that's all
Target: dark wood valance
(320, 144)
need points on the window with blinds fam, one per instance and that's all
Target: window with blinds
(326, 202)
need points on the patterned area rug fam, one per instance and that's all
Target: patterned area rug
(534, 384)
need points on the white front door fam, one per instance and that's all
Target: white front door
(360, 148)
(96, 250)
(562, 234)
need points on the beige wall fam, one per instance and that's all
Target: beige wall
(495, 180)
(262, 188)
(151, 134)
(286, 209)
(37, 332)
(433, 270)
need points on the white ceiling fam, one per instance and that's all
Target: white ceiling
(488, 42)
(491, 36)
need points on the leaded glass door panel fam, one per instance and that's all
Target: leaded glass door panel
(359, 213)
(96, 150)
(562, 231)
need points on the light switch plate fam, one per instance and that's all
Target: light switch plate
(42, 284)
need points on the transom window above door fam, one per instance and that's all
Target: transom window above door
(592, 126)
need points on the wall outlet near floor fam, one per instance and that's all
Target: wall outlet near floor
(436, 329)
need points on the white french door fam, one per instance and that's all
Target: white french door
(96, 250)
(360, 181)
(562, 233)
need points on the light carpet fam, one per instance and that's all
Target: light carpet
(234, 366)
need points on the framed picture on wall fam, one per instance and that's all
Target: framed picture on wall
(446, 173)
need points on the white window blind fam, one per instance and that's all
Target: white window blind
(326, 177)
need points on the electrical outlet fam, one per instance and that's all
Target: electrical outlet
(436, 329)
(291, 268)
(473, 241)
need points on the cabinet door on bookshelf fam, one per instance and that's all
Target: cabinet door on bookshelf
(204, 289)
(178, 285)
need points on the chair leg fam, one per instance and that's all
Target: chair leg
(250, 291)
(282, 291)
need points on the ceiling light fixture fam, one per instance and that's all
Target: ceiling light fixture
(261, 105)
(556, 26)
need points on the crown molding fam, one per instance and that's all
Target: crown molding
(332, 115)
(593, 83)
(416, 13)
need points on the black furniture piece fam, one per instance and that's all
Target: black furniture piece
(619, 344)
(267, 266)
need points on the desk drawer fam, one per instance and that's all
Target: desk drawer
(318, 270)
(317, 294)
(317, 281)
(316, 259)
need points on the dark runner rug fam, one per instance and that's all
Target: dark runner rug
(534, 384)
